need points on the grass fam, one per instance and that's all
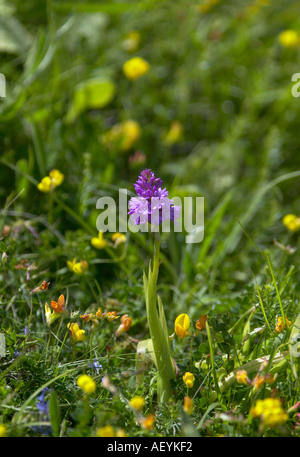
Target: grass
(216, 119)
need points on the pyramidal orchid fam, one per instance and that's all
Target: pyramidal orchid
(152, 205)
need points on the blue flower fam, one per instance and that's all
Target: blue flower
(96, 366)
(43, 406)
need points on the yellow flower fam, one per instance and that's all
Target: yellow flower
(51, 316)
(87, 317)
(42, 288)
(188, 379)
(188, 405)
(174, 134)
(118, 238)
(70, 264)
(292, 222)
(123, 135)
(270, 412)
(77, 267)
(242, 377)
(120, 433)
(2, 430)
(99, 242)
(280, 326)
(260, 380)
(59, 306)
(111, 316)
(76, 333)
(99, 313)
(86, 383)
(289, 39)
(125, 324)
(135, 68)
(201, 322)
(56, 177)
(106, 432)
(137, 403)
(80, 267)
(182, 325)
(132, 41)
(49, 183)
(45, 185)
(148, 422)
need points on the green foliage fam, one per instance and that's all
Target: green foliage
(219, 71)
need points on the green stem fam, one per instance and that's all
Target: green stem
(191, 353)
(62, 345)
(277, 291)
(50, 218)
(262, 306)
(158, 329)
(212, 359)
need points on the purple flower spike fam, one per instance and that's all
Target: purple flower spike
(152, 203)
(147, 186)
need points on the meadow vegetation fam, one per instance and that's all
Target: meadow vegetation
(200, 92)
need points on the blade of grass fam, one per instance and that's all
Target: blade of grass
(266, 257)
(211, 350)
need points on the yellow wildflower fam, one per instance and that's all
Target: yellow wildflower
(118, 238)
(56, 177)
(188, 405)
(86, 383)
(51, 316)
(76, 333)
(132, 41)
(106, 432)
(87, 317)
(242, 377)
(148, 422)
(42, 288)
(135, 68)
(59, 306)
(111, 316)
(289, 39)
(99, 242)
(280, 326)
(182, 325)
(49, 183)
(292, 222)
(174, 134)
(125, 324)
(2, 430)
(120, 433)
(45, 185)
(99, 313)
(188, 379)
(260, 380)
(270, 412)
(137, 403)
(77, 267)
(201, 322)
(123, 135)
